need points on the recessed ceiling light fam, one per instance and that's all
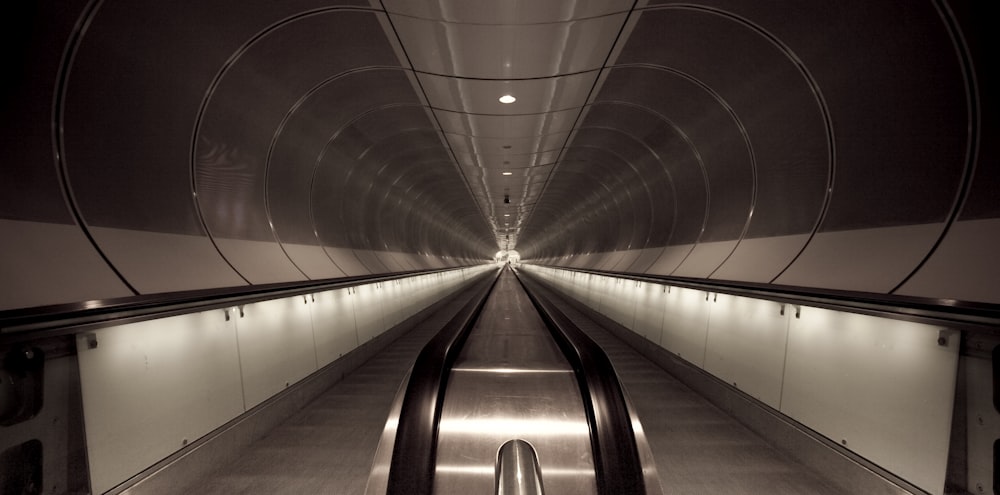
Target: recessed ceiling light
(507, 173)
(505, 99)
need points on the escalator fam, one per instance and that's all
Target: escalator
(511, 398)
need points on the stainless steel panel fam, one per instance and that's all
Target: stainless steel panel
(517, 471)
(500, 146)
(509, 126)
(533, 95)
(511, 382)
(507, 51)
(505, 11)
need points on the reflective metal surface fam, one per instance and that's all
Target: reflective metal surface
(512, 382)
(517, 470)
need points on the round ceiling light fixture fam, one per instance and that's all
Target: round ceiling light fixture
(506, 99)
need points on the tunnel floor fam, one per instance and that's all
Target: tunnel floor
(328, 446)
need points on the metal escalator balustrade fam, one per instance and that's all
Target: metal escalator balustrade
(512, 381)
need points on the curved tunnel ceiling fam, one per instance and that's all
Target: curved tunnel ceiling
(156, 147)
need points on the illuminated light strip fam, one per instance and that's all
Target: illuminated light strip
(510, 370)
(520, 426)
(490, 470)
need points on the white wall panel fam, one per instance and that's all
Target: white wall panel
(644, 260)
(47, 263)
(609, 260)
(964, 266)
(625, 261)
(368, 311)
(149, 386)
(404, 260)
(650, 306)
(600, 287)
(685, 324)
(669, 259)
(760, 260)
(884, 386)
(276, 347)
(704, 259)
(313, 261)
(389, 261)
(619, 300)
(582, 260)
(394, 300)
(333, 325)
(746, 345)
(346, 261)
(595, 290)
(261, 262)
(868, 260)
(155, 262)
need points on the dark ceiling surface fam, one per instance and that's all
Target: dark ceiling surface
(160, 146)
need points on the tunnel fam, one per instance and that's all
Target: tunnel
(792, 207)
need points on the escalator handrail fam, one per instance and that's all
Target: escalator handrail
(414, 452)
(616, 456)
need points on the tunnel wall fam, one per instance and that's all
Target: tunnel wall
(153, 148)
(151, 388)
(834, 145)
(882, 388)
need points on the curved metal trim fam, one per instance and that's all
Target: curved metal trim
(632, 167)
(746, 140)
(687, 140)
(972, 140)
(58, 143)
(820, 102)
(649, 194)
(207, 98)
(270, 153)
(422, 93)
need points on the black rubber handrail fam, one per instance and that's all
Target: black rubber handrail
(60, 319)
(616, 454)
(966, 314)
(414, 452)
